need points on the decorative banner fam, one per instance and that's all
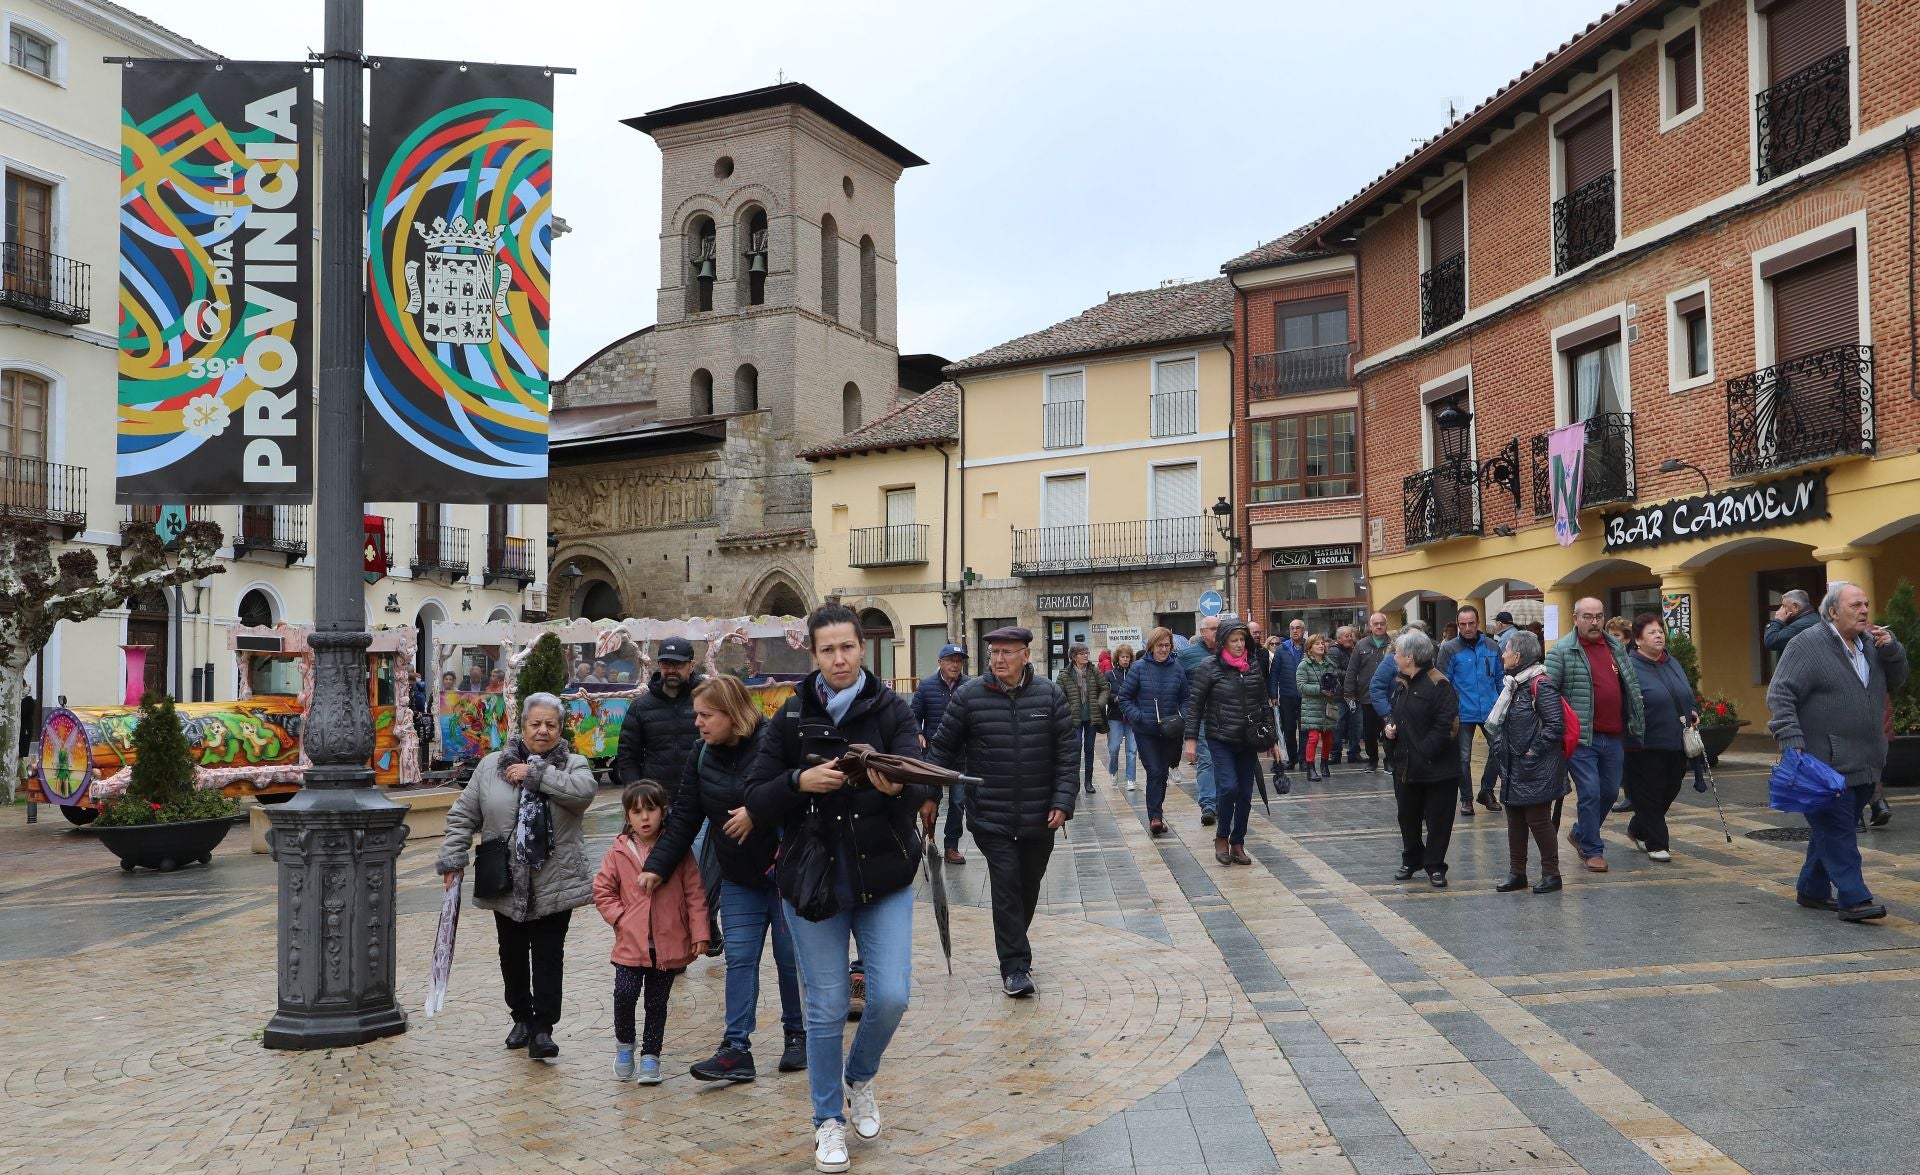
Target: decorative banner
(457, 297)
(1676, 609)
(66, 758)
(216, 283)
(374, 554)
(1567, 474)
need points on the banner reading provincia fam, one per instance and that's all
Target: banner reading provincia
(461, 213)
(216, 283)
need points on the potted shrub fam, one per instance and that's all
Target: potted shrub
(164, 819)
(1902, 617)
(1719, 721)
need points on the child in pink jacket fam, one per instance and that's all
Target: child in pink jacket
(656, 931)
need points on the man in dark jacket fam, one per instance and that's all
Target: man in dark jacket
(1013, 730)
(1191, 658)
(1368, 654)
(1286, 687)
(657, 734)
(1794, 616)
(929, 707)
(1346, 729)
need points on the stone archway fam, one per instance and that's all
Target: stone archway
(777, 594)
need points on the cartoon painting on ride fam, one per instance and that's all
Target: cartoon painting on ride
(470, 724)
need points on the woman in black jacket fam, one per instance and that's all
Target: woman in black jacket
(713, 793)
(1657, 764)
(1530, 728)
(870, 834)
(1423, 727)
(1229, 696)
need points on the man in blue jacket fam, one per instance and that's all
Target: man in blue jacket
(1471, 661)
(1794, 616)
(1199, 650)
(929, 706)
(1286, 687)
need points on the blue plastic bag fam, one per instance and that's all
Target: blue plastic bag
(1802, 783)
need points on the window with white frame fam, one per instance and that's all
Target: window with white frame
(1680, 76)
(1064, 415)
(32, 51)
(1175, 402)
(1689, 340)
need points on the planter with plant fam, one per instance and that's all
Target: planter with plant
(1719, 721)
(164, 819)
(1902, 618)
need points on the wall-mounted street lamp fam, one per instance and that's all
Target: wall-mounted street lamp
(1675, 465)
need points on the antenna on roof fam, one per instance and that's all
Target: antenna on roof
(780, 77)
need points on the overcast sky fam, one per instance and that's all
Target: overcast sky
(1074, 148)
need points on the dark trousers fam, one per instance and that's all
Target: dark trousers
(956, 810)
(1235, 774)
(1156, 755)
(1087, 736)
(1290, 727)
(1652, 779)
(628, 984)
(1538, 820)
(532, 959)
(1431, 804)
(1832, 868)
(1015, 868)
(1374, 728)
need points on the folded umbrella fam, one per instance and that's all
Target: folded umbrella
(443, 946)
(1802, 783)
(903, 769)
(937, 886)
(1260, 779)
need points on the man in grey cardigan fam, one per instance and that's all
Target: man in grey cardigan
(1829, 699)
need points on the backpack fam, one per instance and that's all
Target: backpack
(1570, 734)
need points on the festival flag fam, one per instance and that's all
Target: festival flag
(1567, 472)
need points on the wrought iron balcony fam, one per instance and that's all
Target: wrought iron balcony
(1808, 409)
(1442, 502)
(1583, 223)
(279, 530)
(887, 546)
(1443, 294)
(150, 516)
(1608, 475)
(508, 558)
(44, 283)
(439, 548)
(1145, 544)
(1175, 414)
(1303, 369)
(1063, 424)
(1806, 116)
(41, 491)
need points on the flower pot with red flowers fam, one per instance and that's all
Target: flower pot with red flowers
(164, 819)
(1719, 721)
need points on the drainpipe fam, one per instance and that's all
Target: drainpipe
(1233, 438)
(960, 597)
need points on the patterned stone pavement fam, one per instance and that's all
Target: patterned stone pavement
(1304, 1015)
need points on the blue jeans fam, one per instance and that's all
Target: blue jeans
(1490, 774)
(883, 931)
(1833, 853)
(1235, 770)
(1118, 736)
(1157, 755)
(1088, 733)
(1596, 781)
(746, 914)
(1203, 770)
(956, 810)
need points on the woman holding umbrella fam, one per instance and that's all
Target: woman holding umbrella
(1230, 700)
(1657, 764)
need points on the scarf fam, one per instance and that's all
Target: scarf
(533, 825)
(838, 702)
(1241, 662)
(1498, 715)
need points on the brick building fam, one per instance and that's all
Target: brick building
(1687, 230)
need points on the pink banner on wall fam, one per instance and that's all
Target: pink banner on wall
(1567, 470)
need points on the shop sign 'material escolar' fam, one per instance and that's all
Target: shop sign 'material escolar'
(1763, 506)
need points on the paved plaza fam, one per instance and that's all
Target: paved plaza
(1304, 1015)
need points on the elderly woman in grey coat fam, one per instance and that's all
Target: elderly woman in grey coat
(526, 800)
(1529, 724)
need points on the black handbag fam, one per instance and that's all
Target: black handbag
(492, 871)
(804, 873)
(1172, 727)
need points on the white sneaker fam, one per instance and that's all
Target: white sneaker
(862, 1110)
(1130, 786)
(830, 1146)
(1660, 855)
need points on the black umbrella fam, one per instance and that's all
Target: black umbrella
(1260, 779)
(937, 885)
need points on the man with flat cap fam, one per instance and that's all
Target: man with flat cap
(929, 704)
(1013, 730)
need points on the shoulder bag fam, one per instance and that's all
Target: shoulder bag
(492, 871)
(804, 873)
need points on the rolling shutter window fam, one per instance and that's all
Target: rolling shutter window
(1816, 307)
(1587, 140)
(1064, 502)
(1801, 32)
(1176, 491)
(900, 508)
(1446, 228)
(1682, 56)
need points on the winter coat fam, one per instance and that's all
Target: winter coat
(1531, 746)
(1341, 657)
(1314, 701)
(1779, 633)
(714, 785)
(1819, 705)
(1230, 702)
(1474, 669)
(657, 735)
(1095, 702)
(1153, 690)
(929, 702)
(1568, 668)
(655, 929)
(1361, 664)
(1386, 677)
(1286, 670)
(1023, 744)
(1116, 677)
(1667, 699)
(490, 806)
(1426, 718)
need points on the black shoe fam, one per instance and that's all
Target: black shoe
(1373, 769)
(1882, 812)
(542, 1047)
(1404, 873)
(1801, 899)
(1548, 884)
(1206, 818)
(1860, 823)
(1864, 912)
(1017, 984)
(1437, 880)
(793, 1058)
(1089, 787)
(1489, 802)
(1466, 809)
(726, 1064)
(517, 1039)
(1514, 881)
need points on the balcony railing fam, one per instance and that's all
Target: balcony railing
(1443, 294)
(1806, 116)
(150, 516)
(1303, 369)
(508, 558)
(44, 283)
(1805, 410)
(1144, 544)
(1063, 424)
(280, 530)
(440, 548)
(887, 546)
(1175, 414)
(1583, 223)
(41, 491)
(1442, 502)
(1608, 475)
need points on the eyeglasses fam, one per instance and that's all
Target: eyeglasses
(1589, 615)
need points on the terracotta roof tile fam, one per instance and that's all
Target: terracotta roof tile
(932, 417)
(1293, 246)
(1135, 319)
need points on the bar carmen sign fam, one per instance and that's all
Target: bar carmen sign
(1762, 506)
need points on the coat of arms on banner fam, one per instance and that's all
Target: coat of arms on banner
(466, 283)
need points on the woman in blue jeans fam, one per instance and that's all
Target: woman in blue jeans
(870, 834)
(711, 800)
(1228, 696)
(1119, 734)
(1153, 697)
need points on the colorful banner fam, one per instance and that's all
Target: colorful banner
(1567, 474)
(216, 283)
(457, 299)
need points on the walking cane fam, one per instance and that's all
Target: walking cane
(1699, 767)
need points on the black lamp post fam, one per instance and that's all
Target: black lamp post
(1223, 522)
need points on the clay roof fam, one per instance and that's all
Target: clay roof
(766, 97)
(1139, 318)
(152, 28)
(1294, 246)
(931, 418)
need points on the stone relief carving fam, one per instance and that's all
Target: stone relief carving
(649, 499)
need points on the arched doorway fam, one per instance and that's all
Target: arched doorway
(429, 615)
(780, 598)
(876, 630)
(147, 624)
(597, 600)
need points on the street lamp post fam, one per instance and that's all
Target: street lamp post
(1223, 522)
(336, 841)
